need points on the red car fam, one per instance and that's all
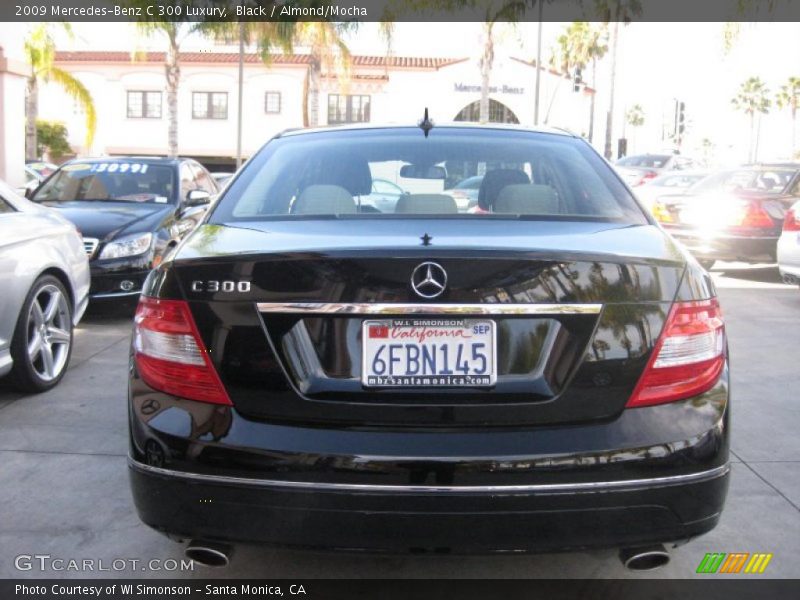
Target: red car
(733, 215)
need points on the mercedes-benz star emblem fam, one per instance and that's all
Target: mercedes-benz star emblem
(429, 280)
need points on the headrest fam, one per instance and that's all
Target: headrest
(324, 200)
(347, 171)
(527, 199)
(496, 180)
(440, 204)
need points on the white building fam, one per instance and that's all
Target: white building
(13, 76)
(130, 98)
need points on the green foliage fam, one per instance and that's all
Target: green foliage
(635, 116)
(789, 95)
(752, 97)
(51, 136)
(40, 50)
(580, 44)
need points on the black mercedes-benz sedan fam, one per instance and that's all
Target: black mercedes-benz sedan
(548, 373)
(130, 210)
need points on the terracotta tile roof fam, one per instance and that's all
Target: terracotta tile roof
(412, 62)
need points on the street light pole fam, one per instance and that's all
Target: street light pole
(241, 85)
(538, 65)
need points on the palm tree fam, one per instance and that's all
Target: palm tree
(175, 33)
(494, 11)
(635, 118)
(580, 44)
(327, 51)
(40, 52)
(752, 98)
(614, 10)
(789, 97)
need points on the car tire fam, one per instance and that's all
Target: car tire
(706, 263)
(42, 343)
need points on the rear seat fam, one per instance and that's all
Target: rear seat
(527, 199)
(439, 204)
(324, 200)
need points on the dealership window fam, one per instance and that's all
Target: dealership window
(348, 109)
(272, 103)
(209, 105)
(144, 105)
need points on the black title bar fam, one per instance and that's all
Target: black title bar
(399, 10)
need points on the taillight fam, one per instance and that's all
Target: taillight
(792, 221)
(169, 354)
(754, 216)
(647, 176)
(688, 357)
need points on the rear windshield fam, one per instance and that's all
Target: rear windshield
(766, 180)
(115, 181)
(332, 174)
(649, 160)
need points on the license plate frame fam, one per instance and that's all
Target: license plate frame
(409, 330)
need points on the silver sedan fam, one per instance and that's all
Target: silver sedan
(44, 278)
(789, 246)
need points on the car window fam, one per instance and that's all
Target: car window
(203, 180)
(188, 182)
(523, 174)
(380, 186)
(650, 160)
(118, 181)
(471, 183)
(771, 181)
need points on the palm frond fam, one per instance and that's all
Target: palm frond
(75, 89)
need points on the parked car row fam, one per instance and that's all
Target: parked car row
(45, 283)
(745, 213)
(93, 228)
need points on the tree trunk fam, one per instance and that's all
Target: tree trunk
(608, 153)
(794, 130)
(591, 100)
(31, 113)
(486, 64)
(758, 135)
(305, 98)
(553, 99)
(173, 74)
(314, 73)
(752, 137)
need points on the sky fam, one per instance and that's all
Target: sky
(657, 63)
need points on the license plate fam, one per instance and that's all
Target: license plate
(428, 353)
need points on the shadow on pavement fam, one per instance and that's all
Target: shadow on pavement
(761, 273)
(100, 311)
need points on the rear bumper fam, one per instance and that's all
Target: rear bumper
(652, 475)
(436, 519)
(720, 246)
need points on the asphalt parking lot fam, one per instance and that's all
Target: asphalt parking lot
(64, 488)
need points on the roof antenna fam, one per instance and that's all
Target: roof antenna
(426, 124)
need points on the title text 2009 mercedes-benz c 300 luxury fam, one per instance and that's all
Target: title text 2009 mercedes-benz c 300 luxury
(549, 372)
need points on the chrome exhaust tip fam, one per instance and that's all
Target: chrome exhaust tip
(209, 554)
(644, 558)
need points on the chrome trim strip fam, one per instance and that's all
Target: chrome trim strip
(344, 308)
(587, 486)
(114, 295)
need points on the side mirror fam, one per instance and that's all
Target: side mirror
(29, 192)
(197, 198)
